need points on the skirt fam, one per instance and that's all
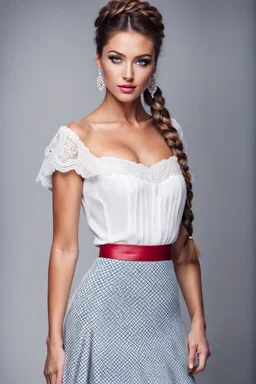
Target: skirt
(123, 325)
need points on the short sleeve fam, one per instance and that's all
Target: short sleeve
(177, 126)
(63, 154)
(182, 138)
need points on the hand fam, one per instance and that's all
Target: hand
(54, 364)
(197, 344)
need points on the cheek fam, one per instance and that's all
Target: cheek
(145, 78)
(111, 73)
(142, 79)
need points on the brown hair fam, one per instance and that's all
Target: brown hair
(143, 18)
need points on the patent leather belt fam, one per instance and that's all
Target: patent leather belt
(134, 252)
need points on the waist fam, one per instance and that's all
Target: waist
(135, 252)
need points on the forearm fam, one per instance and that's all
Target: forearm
(189, 279)
(61, 270)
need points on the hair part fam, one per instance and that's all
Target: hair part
(141, 17)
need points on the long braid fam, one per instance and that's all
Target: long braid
(191, 251)
(144, 18)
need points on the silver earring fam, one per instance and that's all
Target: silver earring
(100, 81)
(152, 87)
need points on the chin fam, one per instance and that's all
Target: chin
(126, 97)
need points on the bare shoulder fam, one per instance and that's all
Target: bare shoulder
(81, 128)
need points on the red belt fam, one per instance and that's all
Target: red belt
(135, 252)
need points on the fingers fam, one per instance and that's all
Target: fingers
(52, 379)
(202, 359)
(202, 362)
(47, 379)
(45, 372)
(59, 376)
(55, 378)
(192, 356)
(54, 365)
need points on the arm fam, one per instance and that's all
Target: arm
(66, 201)
(189, 279)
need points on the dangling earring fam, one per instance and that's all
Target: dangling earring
(152, 87)
(100, 81)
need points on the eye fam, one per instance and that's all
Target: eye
(144, 62)
(114, 58)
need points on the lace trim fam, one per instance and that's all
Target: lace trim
(67, 152)
(181, 134)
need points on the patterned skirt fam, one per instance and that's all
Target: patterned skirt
(123, 325)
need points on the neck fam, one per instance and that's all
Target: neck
(131, 113)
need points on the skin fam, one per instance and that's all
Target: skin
(118, 127)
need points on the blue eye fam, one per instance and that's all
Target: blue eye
(146, 62)
(114, 58)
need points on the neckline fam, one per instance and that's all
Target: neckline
(134, 163)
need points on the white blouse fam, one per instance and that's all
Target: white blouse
(124, 202)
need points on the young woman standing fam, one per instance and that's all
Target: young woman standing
(130, 172)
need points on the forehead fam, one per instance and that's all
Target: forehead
(130, 43)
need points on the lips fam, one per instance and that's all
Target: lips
(126, 86)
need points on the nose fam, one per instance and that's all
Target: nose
(128, 73)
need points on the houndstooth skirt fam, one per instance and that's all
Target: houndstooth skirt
(123, 325)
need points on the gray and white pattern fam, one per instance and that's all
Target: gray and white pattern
(123, 325)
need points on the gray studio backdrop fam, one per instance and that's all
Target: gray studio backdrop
(48, 78)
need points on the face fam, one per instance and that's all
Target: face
(128, 58)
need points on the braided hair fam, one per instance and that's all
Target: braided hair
(141, 17)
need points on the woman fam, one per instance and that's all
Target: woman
(130, 171)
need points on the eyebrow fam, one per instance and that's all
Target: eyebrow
(121, 54)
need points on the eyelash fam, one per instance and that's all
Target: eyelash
(117, 57)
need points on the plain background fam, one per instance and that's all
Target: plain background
(48, 78)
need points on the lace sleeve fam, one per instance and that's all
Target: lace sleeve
(181, 136)
(62, 154)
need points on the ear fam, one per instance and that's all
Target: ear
(155, 68)
(97, 60)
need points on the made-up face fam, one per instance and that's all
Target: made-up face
(127, 59)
